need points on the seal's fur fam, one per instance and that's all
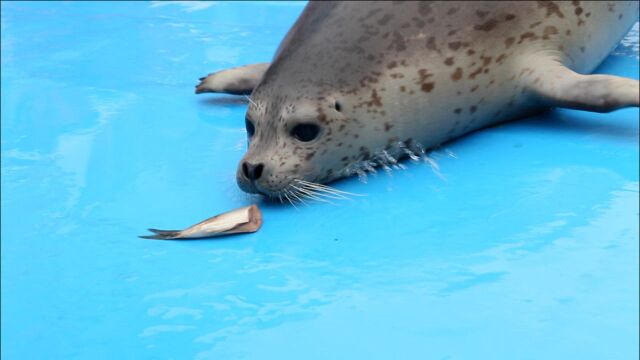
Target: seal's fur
(383, 79)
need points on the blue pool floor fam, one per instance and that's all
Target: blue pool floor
(527, 249)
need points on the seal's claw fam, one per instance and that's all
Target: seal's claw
(202, 88)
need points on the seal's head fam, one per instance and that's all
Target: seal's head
(291, 139)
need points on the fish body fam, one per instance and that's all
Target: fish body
(244, 220)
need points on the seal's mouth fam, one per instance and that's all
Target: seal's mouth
(270, 194)
(277, 195)
(256, 187)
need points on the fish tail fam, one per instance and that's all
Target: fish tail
(162, 234)
(156, 231)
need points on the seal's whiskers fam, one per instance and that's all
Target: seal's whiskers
(311, 194)
(301, 190)
(326, 188)
(286, 196)
(386, 161)
(251, 101)
(295, 198)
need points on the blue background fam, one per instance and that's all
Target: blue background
(528, 249)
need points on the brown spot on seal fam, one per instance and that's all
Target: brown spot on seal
(528, 35)
(551, 7)
(427, 87)
(398, 42)
(449, 61)
(375, 98)
(549, 30)
(455, 45)
(487, 26)
(457, 75)
(369, 14)
(475, 73)
(385, 19)
(423, 75)
(419, 22)
(509, 41)
(424, 8)
(431, 43)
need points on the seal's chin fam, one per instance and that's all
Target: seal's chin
(246, 185)
(269, 193)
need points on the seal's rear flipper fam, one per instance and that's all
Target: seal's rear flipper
(559, 86)
(237, 81)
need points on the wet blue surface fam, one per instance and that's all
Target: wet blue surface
(528, 249)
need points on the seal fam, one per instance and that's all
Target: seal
(355, 86)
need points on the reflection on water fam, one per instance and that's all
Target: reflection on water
(483, 284)
(73, 152)
(630, 44)
(188, 6)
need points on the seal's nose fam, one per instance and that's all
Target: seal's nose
(252, 172)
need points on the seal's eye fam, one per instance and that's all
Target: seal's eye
(305, 132)
(251, 129)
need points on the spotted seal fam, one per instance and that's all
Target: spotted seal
(356, 85)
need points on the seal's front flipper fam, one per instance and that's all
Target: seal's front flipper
(237, 81)
(559, 86)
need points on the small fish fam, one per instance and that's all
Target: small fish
(244, 220)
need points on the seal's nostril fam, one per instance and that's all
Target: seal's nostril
(252, 172)
(257, 171)
(245, 170)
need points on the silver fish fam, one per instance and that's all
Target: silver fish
(244, 220)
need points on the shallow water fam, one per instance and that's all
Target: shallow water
(528, 249)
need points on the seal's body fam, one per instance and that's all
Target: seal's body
(358, 84)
